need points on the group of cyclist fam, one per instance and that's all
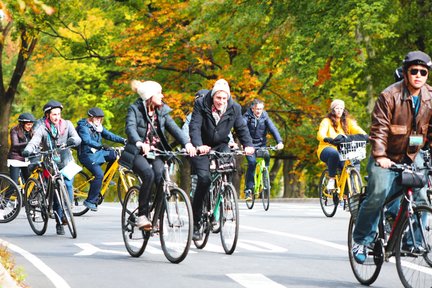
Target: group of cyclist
(148, 119)
(401, 127)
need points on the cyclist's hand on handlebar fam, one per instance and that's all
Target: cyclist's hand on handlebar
(339, 139)
(384, 162)
(203, 149)
(190, 149)
(249, 150)
(145, 147)
(233, 145)
(279, 146)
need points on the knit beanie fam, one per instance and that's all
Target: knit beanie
(337, 102)
(221, 85)
(146, 89)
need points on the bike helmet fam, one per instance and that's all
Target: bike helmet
(26, 118)
(51, 105)
(398, 76)
(417, 58)
(95, 112)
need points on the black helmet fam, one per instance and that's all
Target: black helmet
(417, 58)
(398, 76)
(201, 93)
(26, 118)
(95, 112)
(51, 105)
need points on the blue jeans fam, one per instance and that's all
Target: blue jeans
(330, 156)
(250, 173)
(381, 185)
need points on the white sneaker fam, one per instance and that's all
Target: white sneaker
(331, 184)
(143, 222)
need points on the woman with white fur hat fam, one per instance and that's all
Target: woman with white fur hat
(146, 122)
(335, 125)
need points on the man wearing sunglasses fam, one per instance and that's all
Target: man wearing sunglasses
(400, 125)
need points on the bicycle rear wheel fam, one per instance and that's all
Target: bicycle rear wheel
(81, 189)
(250, 203)
(35, 206)
(356, 183)
(229, 219)
(205, 225)
(130, 180)
(176, 226)
(10, 199)
(135, 239)
(65, 206)
(367, 272)
(265, 193)
(413, 262)
(329, 200)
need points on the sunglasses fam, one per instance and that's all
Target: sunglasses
(423, 72)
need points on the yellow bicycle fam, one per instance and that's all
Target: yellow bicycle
(82, 181)
(348, 181)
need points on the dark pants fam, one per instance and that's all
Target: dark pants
(330, 156)
(250, 173)
(96, 170)
(150, 171)
(16, 171)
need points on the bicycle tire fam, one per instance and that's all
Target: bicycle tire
(205, 225)
(411, 265)
(81, 189)
(134, 238)
(250, 203)
(176, 226)
(356, 183)
(367, 272)
(265, 193)
(229, 219)
(131, 180)
(328, 201)
(10, 199)
(35, 206)
(65, 204)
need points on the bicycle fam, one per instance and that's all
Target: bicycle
(261, 179)
(10, 199)
(170, 214)
(126, 179)
(348, 182)
(39, 195)
(220, 212)
(413, 258)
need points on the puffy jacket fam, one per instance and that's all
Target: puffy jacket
(392, 122)
(136, 130)
(18, 139)
(259, 127)
(93, 139)
(203, 129)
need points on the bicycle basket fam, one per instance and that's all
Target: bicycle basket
(354, 202)
(355, 150)
(225, 163)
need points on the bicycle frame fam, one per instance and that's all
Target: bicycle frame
(343, 178)
(258, 174)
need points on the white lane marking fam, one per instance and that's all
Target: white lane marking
(260, 246)
(56, 279)
(254, 280)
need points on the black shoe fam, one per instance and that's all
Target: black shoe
(196, 233)
(60, 229)
(414, 250)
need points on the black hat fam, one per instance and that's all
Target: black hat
(95, 112)
(26, 118)
(417, 58)
(51, 105)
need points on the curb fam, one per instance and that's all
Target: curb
(6, 280)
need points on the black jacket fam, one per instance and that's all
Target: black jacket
(203, 129)
(259, 128)
(136, 130)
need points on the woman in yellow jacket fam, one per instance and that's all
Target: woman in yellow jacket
(337, 122)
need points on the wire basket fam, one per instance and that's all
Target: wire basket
(355, 150)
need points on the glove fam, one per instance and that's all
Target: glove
(106, 147)
(340, 139)
(70, 142)
(328, 140)
(358, 137)
(124, 141)
(25, 153)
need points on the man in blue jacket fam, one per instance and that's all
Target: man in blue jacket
(259, 124)
(91, 153)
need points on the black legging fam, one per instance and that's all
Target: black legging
(150, 171)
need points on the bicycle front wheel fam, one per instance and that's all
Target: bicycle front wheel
(176, 226)
(35, 206)
(414, 256)
(130, 179)
(329, 200)
(367, 272)
(81, 189)
(134, 238)
(265, 193)
(229, 219)
(65, 206)
(10, 199)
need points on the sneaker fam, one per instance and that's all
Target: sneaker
(143, 222)
(248, 195)
(359, 253)
(90, 205)
(196, 233)
(414, 250)
(60, 229)
(331, 184)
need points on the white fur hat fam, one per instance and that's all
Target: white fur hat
(221, 85)
(337, 102)
(146, 89)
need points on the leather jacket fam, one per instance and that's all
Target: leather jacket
(392, 123)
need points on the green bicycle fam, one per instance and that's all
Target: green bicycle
(261, 179)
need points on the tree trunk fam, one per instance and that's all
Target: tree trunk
(292, 184)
